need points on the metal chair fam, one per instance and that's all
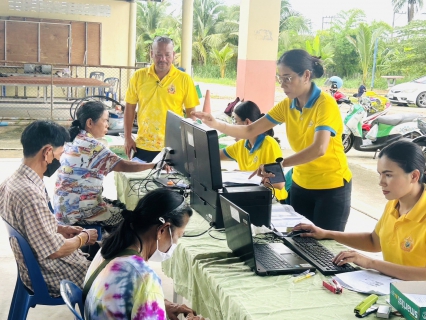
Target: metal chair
(113, 89)
(73, 296)
(23, 298)
(99, 76)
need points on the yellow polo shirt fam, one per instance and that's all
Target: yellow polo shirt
(265, 150)
(320, 113)
(154, 98)
(403, 238)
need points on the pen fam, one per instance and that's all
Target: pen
(306, 276)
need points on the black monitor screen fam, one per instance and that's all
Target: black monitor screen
(202, 150)
(238, 231)
(175, 141)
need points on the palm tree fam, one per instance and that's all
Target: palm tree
(149, 18)
(220, 57)
(412, 7)
(326, 52)
(364, 42)
(206, 16)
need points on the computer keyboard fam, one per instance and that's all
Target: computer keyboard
(315, 253)
(267, 256)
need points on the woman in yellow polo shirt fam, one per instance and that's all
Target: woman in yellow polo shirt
(321, 189)
(250, 153)
(401, 231)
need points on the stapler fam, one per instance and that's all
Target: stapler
(365, 307)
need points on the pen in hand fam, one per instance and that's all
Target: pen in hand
(306, 276)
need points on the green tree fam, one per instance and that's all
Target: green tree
(412, 7)
(148, 23)
(345, 59)
(315, 48)
(221, 57)
(407, 54)
(207, 14)
(364, 43)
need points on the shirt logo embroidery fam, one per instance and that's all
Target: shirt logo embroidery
(311, 123)
(255, 159)
(407, 244)
(171, 89)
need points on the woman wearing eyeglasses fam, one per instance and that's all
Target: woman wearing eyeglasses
(261, 149)
(321, 188)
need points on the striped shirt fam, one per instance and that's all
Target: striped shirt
(23, 204)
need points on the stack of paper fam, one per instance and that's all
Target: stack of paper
(365, 281)
(239, 177)
(283, 217)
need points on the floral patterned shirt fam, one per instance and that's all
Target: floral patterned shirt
(78, 189)
(127, 288)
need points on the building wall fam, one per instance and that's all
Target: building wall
(115, 28)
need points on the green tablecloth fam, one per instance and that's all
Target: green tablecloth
(220, 286)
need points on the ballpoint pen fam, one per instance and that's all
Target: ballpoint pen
(310, 274)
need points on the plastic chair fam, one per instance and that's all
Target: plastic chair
(23, 298)
(113, 89)
(99, 76)
(73, 296)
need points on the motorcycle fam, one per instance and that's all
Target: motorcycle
(385, 129)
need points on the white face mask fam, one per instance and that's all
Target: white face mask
(160, 256)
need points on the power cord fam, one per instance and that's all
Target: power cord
(217, 230)
(197, 235)
(272, 187)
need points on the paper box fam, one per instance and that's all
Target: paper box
(406, 297)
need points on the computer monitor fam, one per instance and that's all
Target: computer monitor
(201, 145)
(175, 143)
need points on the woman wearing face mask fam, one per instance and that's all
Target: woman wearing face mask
(401, 231)
(84, 164)
(119, 282)
(250, 153)
(322, 181)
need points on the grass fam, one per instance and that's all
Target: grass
(224, 81)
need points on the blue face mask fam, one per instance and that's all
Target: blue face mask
(160, 256)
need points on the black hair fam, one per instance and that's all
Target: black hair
(299, 61)
(40, 133)
(90, 110)
(159, 203)
(407, 155)
(250, 110)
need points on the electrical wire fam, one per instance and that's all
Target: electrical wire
(197, 235)
(217, 230)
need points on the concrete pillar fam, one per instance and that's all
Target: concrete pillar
(187, 24)
(257, 51)
(131, 57)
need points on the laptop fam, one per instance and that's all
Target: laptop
(264, 258)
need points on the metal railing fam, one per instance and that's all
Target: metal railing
(30, 91)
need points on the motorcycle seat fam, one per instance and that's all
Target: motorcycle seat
(396, 119)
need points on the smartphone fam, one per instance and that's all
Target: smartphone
(132, 153)
(277, 170)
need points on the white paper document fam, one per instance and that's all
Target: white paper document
(239, 177)
(365, 281)
(283, 216)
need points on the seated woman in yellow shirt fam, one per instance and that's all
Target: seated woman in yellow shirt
(251, 153)
(401, 231)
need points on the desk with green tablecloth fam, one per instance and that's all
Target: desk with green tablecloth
(220, 286)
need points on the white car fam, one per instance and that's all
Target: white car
(407, 93)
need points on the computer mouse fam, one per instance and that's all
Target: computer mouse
(296, 233)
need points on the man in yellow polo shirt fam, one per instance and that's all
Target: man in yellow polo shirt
(155, 90)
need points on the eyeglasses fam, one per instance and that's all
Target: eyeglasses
(282, 80)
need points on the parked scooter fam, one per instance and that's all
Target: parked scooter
(386, 129)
